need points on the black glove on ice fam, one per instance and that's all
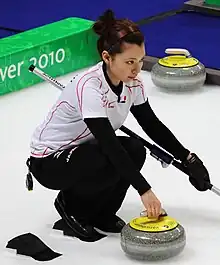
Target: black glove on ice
(198, 174)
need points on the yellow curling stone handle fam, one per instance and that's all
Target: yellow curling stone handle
(162, 224)
(179, 58)
(163, 213)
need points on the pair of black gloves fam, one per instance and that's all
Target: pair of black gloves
(197, 172)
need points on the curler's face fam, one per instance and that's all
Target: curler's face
(126, 65)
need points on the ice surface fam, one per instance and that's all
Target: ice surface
(192, 117)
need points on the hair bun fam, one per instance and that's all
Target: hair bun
(104, 23)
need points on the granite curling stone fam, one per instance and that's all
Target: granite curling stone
(153, 239)
(179, 72)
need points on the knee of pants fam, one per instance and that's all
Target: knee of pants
(135, 149)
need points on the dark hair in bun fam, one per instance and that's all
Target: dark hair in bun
(104, 23)
(113, 32)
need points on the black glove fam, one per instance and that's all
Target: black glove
(198, 174)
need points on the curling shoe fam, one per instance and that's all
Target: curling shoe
(109, 224)
(80, 228)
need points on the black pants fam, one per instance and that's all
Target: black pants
(89, 182)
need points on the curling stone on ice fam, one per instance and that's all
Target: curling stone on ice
(153, 239)
(178, 72)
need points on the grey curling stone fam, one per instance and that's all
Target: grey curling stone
(152, 246)
(178, 73)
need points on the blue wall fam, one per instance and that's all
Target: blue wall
(26, 14)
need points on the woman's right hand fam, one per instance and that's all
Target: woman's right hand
(151, 204)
